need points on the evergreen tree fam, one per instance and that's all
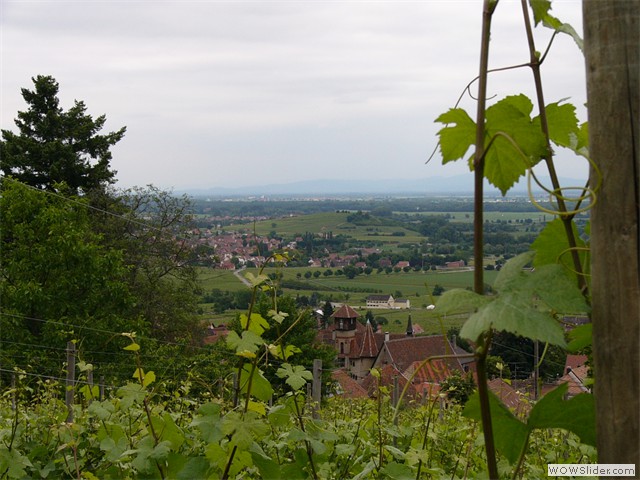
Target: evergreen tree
(54, 146)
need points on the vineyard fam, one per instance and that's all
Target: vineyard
(138, 432)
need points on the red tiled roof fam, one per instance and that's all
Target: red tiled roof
(350, 388)
(387, 374)
(434, 371)
(405, 351)
(345, 311)
(509, 396)
(575, 378)
(574, 361)
(368, 344)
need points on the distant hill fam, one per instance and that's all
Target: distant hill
(454, 185)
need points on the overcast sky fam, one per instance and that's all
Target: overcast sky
(218, 93)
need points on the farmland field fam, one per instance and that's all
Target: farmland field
(415, 286)
(334, 222)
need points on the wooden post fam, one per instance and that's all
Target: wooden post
(612, 54)
(90, 385)
(316, 390)
(71, 379)
(101, 387)
(13, 391)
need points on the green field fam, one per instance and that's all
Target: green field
(416, 286)
(335, 222)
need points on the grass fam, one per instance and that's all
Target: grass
(335, 222)
(416, 286)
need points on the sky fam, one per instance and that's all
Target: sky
(242, 93)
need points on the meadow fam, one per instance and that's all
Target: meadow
(415, 286)
(334, 222)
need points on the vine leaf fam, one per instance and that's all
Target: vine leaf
(552, 22)
(576, 414)
(456, 140)
(509, 121)
(260, 386)
(245, 346)
(459, 300)
(515, 314)
(562, 123)
(580, 141)
(244, 428)
(268, 467)
(527, 303)
(513, 142)
(397, 471)
(509, 433)
(552, 243)
(540, 9)
(580, 337)
(296, 375)
(257, 325)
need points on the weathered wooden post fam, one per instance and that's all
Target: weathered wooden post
(316, 390)
(71, 379)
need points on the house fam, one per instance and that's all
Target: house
(402, 303)
(399, 356)
(456, 264)
(380, 301)
(402, 352)
(215, 333)
(402, 264)
(576, 374)
(510, 397)
(346, 386)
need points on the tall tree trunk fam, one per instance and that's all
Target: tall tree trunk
(612, 50)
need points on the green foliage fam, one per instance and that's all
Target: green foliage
(575, 415)
(526, 304)
(514, 140)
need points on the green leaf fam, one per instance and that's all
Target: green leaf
(562, 123)
(512, 272)
(580, 337)
(148, 379)
(260, 386)
(555, 291)
(580, 141)
(257, 325)
(460, 300)
(509, 122)
(552, 242)
(243, 429)
(540, 9)
(456, 140)
(576, 415)
(398, 471)
(509, 434)
(512, 312)
(552, 22)
(256, 280)
(133, 347)
(296, 376)
(131, 393)
(267, 467)
(194, 467)
(249, 342)
(166, 427)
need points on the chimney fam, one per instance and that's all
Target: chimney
(386, 336)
